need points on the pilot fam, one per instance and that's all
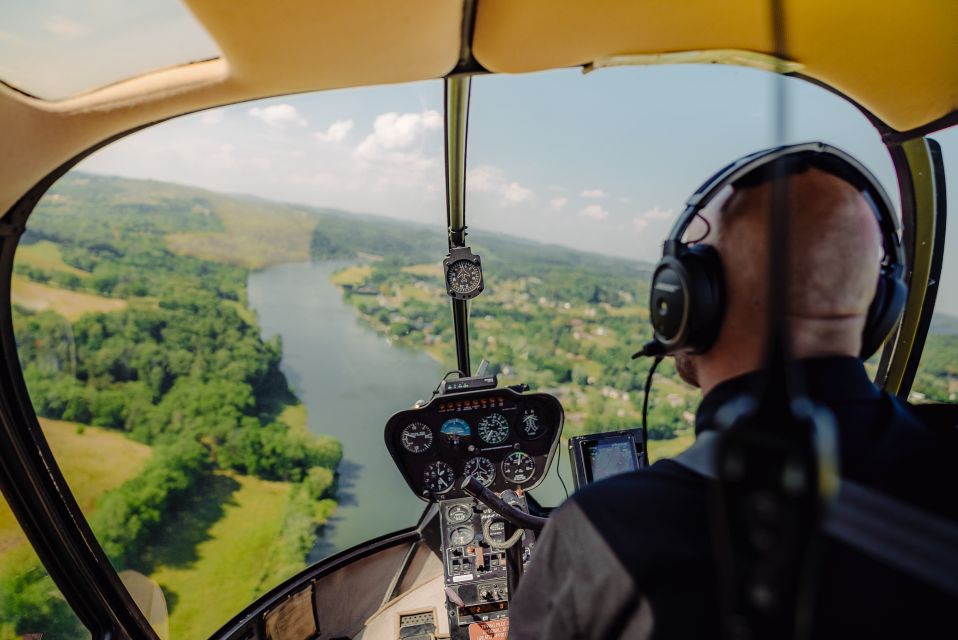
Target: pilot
(632, 556)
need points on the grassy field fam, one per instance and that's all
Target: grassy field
(212, 563)
(70, 304)
(352, 276)
(295, 416)
(92, 463)
(218, 552)
(45, 255)
(256, 235)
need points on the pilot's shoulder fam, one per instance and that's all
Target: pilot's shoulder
(662, 479)
(666, 492)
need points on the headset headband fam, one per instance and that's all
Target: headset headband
(800, 157)
(687, 293)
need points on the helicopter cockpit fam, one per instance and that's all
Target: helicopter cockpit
(185, 444)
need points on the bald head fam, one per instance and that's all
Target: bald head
(835, 253)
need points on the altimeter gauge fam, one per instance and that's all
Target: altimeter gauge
(518, 467)
(463, 271)
(438, 477)
(480, 468)
(416, 437)
(494, 428)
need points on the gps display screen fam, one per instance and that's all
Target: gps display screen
(611, 456)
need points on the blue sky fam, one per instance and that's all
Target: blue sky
(601, 161)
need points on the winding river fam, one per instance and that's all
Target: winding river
(351, 380)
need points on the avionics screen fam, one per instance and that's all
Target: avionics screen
(611, 456)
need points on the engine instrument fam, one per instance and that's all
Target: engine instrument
(531, 426)
(461, 535)
(518, 467)
(458, 513)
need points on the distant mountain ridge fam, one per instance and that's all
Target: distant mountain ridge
(340, 233)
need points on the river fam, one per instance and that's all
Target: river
(351, 380)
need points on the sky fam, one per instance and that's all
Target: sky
(601, 161)
(54, 49)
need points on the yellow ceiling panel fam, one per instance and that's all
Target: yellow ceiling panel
(898, 59)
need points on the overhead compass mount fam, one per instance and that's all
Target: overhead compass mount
(457, 123)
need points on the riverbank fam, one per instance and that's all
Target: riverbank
(350, 381)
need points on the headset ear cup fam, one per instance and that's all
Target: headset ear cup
(883, 313)
(707, 291)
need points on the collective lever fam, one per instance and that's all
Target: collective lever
(514, 516)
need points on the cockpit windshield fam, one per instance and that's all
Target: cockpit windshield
(224, 310)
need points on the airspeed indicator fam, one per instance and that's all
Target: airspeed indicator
(416, 437)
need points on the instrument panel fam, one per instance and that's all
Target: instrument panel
(503, 438)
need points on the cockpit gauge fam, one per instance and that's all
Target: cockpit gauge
(463, 273)
(494, 428)
(518, 467)
(458, 513)
(531, 425)
(438, 477)
(480, 468)
(463, 276)
(455, 429)
(416, 437)
(461, 536)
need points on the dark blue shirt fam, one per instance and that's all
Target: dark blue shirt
(632, 556)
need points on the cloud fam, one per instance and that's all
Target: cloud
(625, 200)
(278, 115)
(212, 116)
(593, 193)
(397, 131)
(558, 204)
(658, 213)
(336, 132)
(515, 193)
(401, 153)
(65, 28)
(639, 224)
(594, 211)
(489, 179)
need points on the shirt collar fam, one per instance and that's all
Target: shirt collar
(829, 380)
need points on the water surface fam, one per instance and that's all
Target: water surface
(351, 380)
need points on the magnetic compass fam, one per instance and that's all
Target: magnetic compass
(463, 273)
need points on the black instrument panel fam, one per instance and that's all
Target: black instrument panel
(503, 438)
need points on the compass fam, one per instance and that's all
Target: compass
(463, 272)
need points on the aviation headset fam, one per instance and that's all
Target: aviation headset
(687, 296)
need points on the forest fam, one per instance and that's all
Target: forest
(181, 368)
(562, 320)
